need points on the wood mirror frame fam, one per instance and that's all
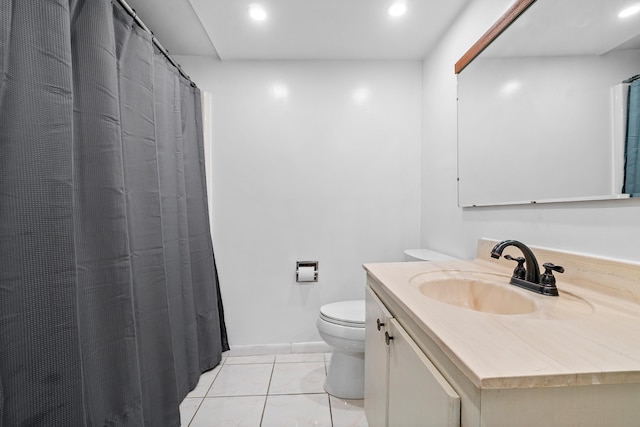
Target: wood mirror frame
(496, 29)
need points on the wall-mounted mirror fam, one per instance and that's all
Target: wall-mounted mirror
(542, 109)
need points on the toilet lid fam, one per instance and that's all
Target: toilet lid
(351, 313)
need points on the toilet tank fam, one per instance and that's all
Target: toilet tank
(426, 255)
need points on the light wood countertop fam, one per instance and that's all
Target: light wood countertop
(588, 335)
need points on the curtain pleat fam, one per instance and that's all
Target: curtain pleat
(109, 301)
(206, 301)
(136, 83)
(39, 348)
(177, 258)
(632, 147)
(6, 14)
(105, 306)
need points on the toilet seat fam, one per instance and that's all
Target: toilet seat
(344, 313)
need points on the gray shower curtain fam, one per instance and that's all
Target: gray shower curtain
(109, 301)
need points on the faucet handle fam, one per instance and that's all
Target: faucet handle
(519, 272)
(547, 278)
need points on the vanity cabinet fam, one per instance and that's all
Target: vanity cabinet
(575, 361)
(402, 386)
(376, 361)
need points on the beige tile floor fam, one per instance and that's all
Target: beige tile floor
(264, 391)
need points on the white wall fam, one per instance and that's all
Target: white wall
(602, 228)
(311, 161)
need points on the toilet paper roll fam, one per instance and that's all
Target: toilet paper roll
(306, 274)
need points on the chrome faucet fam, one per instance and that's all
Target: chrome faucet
(532, 280)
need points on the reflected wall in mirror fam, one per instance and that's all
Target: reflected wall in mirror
(542, 110)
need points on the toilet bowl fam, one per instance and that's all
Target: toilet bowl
(341, 326)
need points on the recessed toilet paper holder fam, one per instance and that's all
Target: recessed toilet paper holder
(306, 271)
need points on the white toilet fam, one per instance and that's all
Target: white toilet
(341, 325)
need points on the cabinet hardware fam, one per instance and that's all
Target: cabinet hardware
(387, 337)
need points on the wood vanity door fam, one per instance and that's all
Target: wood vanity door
(418, 394)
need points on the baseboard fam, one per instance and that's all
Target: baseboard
(298, 347)
(310, 347)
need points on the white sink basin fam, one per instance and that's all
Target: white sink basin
(477, 294)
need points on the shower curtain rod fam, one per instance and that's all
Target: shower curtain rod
(162, 50)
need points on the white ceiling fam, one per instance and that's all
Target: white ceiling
(298, 29)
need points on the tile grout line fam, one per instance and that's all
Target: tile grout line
(264, 406)
(326, 372)
(330, 409)
(222, 361)
(266, 396)
(310, 393)
(196, 411)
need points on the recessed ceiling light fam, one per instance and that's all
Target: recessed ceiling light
(361, 95)
(397, 9)
(629, 11)
(280, 91)
(257, 12)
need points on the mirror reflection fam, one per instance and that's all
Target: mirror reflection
(542, 111)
